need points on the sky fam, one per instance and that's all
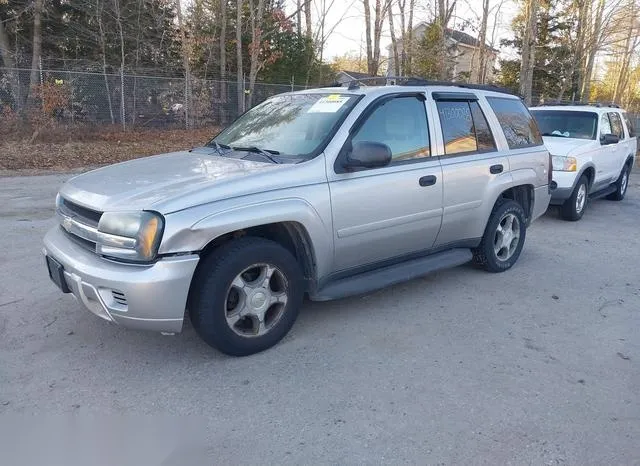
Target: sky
(348, 35)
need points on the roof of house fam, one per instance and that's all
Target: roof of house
(356, 74)
(459, 36)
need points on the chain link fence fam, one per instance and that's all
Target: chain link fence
(129, 101)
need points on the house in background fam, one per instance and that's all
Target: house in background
(463, 50)
(345, 77)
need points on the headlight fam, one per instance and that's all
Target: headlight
(564, 164)
(133, 236)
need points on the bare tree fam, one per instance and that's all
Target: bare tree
(103, 45)
(394, 43)
(528, 50)
(186, 65)
(307, 18)
(116, 5)
(373, 37)
(38, 9)
(256, 18)
(628, 48)
(239, 66)
(9, 63)
(482, 44)
(223, 57)
(444, 12)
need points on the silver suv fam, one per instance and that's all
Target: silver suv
(326, 193)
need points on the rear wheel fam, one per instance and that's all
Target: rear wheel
(573, 208)
(246, 296)
(621, 185)
(503, 238)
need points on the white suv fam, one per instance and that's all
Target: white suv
(593, 149)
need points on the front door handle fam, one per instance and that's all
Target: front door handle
(495, 169)
(428, 180)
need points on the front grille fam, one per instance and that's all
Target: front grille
(118, 297)
(82, 214)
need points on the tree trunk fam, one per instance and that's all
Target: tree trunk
(394, 45)
(116, 4)
(99, 7)
(37, 49)
(528, 51)
(10, 65)
(307, 18)
(186, 65)
(482, 44)
(629, 47)
(409, 53)
(256, 18)
(367, 26)
(593, 47)
(223, 60)
(239, 66)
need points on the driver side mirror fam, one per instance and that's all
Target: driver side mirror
(609, 139)
(367, 154)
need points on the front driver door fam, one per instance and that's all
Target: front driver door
(393, 211)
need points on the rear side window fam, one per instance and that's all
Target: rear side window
(616, 125)
(630, 128)
(464, 127)
(519, 127)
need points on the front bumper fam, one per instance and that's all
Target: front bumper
(565, 184)
(147, 297)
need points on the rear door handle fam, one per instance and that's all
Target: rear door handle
(428, 180)
(495, 169)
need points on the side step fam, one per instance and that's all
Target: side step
(390, 275)
(603, 192)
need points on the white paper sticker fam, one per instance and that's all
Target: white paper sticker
(329, 104)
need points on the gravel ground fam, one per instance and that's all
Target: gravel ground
(539, 365)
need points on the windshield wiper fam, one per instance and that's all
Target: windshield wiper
(218, 147)
(263, 152)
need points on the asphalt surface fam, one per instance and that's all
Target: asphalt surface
(538, 365)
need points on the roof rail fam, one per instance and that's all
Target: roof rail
(415, 81)
(572, 103)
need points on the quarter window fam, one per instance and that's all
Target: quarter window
(616, 125)
(464, 127)
(519, 127)
(401, 124)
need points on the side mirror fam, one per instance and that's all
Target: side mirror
(609, 139)
(367, 154)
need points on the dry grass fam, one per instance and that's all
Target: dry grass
(77, 148)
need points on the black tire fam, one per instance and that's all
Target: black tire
(621, 185)
(485, 254)
(570, 209)
(212, 283)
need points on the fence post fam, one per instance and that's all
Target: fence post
(122, 110)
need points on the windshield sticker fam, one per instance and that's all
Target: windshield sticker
(329, 104)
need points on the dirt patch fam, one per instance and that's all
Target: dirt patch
(96, 149)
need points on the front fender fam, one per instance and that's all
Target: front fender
(201, 230)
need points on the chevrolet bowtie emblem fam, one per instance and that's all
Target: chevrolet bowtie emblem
(66, 223)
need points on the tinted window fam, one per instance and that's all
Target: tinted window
(464, 127)
(630, 128)
(616, 125)
(566, 124)
(484, 138)
(605, 125)
(401, 124)
(518, 125)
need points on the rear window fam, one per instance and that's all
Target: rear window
(519, 127)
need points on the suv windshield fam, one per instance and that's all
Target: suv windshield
(566, 123)
(295, 124)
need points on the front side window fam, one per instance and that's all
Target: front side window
(566, 123)
(464, 127)
(519, 127)
(605, 126)
(616, 125)
(295, 124)
(401, 124)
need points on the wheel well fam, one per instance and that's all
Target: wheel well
(629, 161)
(523, 195)
(291, 235)
(591, 173)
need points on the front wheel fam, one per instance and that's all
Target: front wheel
(573, 208)
(246, 296)
(503, 238)
(621, 185)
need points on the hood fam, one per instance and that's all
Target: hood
(568, 146)
(146, 183)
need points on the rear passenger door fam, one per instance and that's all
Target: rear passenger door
(470, 161)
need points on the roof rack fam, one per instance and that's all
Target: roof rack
(586, 104)
(415, 81)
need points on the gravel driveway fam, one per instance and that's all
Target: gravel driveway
(539, 365)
